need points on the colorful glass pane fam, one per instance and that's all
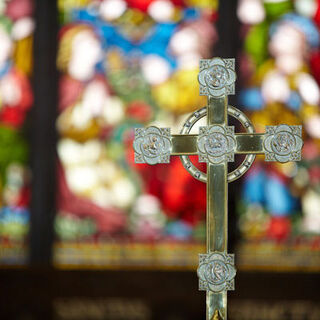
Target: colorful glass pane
(279, 217)
(126, 64)
(16, 33)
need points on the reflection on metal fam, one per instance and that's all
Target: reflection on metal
(216, 144)
(216, 315)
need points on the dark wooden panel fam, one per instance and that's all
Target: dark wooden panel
(48, 294)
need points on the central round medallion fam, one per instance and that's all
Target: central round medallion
(216, 144)
(217, 77)
(283, 143)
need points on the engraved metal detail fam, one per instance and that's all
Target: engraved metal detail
(152, 145)
(283, 143)
(216, 272)
(216, 144)
(217, 77)
(244, 166)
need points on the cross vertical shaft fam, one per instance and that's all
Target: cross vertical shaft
(217, 205)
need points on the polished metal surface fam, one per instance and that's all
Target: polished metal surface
(217, 205)
(217, 144)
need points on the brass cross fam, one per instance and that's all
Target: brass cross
(216, 144)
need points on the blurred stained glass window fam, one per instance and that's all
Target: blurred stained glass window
(127, 64)
(280, 67)
(16, 34)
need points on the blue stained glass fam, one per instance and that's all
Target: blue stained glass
(254, 187)
(191, 14)
(251, 99)
(294, 102)
(179, 230)
(279, 201)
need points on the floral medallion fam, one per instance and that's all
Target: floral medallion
(216, 272)
(217, 77)
(152, 145)
(283, 143)
(216, 144)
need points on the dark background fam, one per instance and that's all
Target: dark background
(41, 291)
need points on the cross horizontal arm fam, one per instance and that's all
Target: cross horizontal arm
(184, 144)
(246, 143)
(281, 143)
(249, 143)
(218, 143)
